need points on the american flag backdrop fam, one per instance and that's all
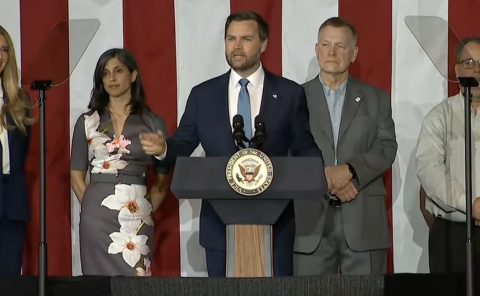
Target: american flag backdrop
(178, 44)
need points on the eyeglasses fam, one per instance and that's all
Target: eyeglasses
(469, 63)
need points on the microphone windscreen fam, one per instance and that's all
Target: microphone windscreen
(259, 122)
(238, 119)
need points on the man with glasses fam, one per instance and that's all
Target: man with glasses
(441, 167)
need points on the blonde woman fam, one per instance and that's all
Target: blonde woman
(15, 122)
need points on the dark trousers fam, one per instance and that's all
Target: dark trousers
(447, 247)
(12, 238)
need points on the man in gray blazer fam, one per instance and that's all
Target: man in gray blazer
(353, 126)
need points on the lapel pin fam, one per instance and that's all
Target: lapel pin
(357, 99)
(275, 96)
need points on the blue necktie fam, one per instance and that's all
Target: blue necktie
(244, 108)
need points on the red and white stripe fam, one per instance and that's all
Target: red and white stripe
(179, 44)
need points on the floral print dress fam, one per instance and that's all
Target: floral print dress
(116, 219)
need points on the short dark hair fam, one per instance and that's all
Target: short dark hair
(463, 43)
(100, 98)
(338, 22)
(249, 15)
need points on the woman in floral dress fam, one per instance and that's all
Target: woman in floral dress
(116, 220)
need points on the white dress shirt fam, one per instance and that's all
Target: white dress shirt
(4, 140)
(440, 159)
(255, 90)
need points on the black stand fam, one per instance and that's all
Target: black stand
(468, 83)
(42, 86)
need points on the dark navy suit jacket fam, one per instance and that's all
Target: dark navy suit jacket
(206, 121)
(14, 204)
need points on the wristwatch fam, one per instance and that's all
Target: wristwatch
(354, 175)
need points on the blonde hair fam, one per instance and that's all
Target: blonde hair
(18, 100)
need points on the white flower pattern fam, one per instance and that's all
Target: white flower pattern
(131, 246)
(104, 163)
(129, 200)
(94, 138)
(134, 208)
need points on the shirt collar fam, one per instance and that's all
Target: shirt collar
(256, 79)
(342, 88)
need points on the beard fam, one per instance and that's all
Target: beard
(247, 64)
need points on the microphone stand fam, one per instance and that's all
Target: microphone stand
(468, 83)
(240, 145)
(240, 139)
(256, 143)
(42, 86)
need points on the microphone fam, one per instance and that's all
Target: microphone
(260, 135)
(238, 132)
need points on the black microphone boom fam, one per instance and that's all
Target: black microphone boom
(260, 135)
(238, 132)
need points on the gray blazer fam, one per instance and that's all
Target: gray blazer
(367, 141)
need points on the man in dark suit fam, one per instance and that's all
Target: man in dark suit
(353, 126)
(247, 89)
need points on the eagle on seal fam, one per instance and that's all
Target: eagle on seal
(249, 176)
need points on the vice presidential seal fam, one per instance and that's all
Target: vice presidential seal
(249, 172)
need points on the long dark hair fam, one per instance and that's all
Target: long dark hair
(100, 98)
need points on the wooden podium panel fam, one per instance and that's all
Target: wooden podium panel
(249, 251)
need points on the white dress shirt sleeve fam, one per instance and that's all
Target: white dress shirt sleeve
(439, 183)
(162, 157)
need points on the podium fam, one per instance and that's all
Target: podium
(249, 191)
